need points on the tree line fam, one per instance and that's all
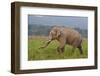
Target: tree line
(43, 30)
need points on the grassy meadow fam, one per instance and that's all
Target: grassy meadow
(50, 52)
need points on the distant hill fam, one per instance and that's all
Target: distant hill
(43, 30)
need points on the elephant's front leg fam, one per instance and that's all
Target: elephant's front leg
(60, 50)
(61, 47)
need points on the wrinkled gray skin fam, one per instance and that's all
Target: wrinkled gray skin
(65, 36)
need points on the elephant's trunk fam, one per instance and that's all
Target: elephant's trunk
(47, 43)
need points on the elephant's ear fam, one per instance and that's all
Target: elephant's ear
(58, 33)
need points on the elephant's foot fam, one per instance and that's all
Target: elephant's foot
(60, 50)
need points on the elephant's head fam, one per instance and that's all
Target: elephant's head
(54, 33)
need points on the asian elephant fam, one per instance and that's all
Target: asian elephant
(65, 35)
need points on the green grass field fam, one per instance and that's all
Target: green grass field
(50, 52)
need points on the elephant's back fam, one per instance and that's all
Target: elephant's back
(71, 32)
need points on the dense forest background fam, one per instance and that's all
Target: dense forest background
(43, 30)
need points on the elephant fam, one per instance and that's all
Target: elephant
(65, 35)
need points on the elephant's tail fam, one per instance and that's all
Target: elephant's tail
(81, 41)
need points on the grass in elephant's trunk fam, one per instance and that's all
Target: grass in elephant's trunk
(50, 52)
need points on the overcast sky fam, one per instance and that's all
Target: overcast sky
(69, 21)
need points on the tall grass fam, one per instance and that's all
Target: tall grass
(50, 52)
